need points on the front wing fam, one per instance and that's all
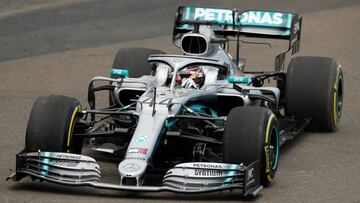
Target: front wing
(192, 177)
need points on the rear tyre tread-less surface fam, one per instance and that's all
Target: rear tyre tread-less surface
(314, 89)
(135, 60)
(51, 123)
(251, 134)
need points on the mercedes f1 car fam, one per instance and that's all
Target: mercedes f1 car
(199, 120)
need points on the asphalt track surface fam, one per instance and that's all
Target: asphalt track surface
(55, 47)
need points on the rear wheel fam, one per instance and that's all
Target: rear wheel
(314, 88)
(51, 124)
(252, 134)
(135, 61)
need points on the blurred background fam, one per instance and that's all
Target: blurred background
(57, 46)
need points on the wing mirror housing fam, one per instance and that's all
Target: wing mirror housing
(119, 73)
(239, 79)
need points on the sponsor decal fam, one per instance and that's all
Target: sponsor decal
(261, 17)
(177, 60)
(68, 156)
(138, 150)
(205, 172)
(224, 16)
(211, 14)
(131, 167)
(250, 176)
(250, 173)
(66, 163)
(142, 139)
(136, 158)
(201, 165)
(250, 182)
(296, 28)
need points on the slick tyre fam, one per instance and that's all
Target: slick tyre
(252, 134)
(314, 89)
(51, 124)
(135, 60)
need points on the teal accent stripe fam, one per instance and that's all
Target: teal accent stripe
(45, 167)
(289, 19)
(46, 160)
(286, 33)
(187, 13)
(231, 173)
(273, 167)
(187, 16)
(269, 20)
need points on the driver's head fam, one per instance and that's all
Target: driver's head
(191, 77)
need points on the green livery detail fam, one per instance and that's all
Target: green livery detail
(266, 18)
(119, 73)
(251, 18)
(239, 79)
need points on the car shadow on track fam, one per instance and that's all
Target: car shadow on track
(289, 145)
(286, 148)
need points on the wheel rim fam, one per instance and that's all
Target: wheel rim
(274, 148)
(71, 128)
(339, 97)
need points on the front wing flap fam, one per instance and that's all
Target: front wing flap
(192, 177)
(53, 166)
(205, 176)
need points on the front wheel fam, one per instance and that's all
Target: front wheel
(252, 134)
(51, 125)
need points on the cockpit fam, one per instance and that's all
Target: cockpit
(187, 72)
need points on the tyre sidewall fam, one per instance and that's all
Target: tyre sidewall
(269, 170)
(51, 123)
(336, 77)
(310, 91)
(247, 139)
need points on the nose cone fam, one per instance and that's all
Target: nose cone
(132, 168)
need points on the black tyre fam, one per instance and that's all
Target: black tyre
(135, 60)
(251, 134)
(314, 88)
(51, 124)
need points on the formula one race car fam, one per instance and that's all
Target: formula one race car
(198, 121)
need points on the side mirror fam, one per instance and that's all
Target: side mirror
(239, 79)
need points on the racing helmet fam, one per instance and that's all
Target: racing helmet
(190, 77)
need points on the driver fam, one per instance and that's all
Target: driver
(191, 77)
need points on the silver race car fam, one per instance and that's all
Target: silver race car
(197, 122)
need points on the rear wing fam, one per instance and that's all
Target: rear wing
(250, 23)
